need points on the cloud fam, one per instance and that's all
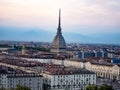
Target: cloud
(75, 13)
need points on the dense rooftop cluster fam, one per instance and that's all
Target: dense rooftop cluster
(8, 70)
(63, 71)
(25, 63)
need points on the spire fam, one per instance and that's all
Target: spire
(59, 23)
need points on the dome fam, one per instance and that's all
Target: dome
(59, 42)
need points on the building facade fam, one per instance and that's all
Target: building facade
(33, 81)
(68, 80)
(110, 71)
(89, 54)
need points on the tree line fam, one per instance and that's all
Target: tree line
(102, 87)
(18, 87)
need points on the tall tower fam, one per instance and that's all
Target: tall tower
(58, 44)
(23, 50)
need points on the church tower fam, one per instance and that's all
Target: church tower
(58, 44)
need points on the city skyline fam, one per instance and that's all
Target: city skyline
(95, 19)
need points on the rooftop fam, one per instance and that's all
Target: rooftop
(62, 71)
(8, 70)
(16, 73)
(103, 64)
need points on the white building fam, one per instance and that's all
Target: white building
(55, 79)
(67, 62)
(74, 63)
(9, 80)
(105, 70)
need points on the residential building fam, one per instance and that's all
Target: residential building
(105, 70)
(61, 79)
(10, 78)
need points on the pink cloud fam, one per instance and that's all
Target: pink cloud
(44, 13)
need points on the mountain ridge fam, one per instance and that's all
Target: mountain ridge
(21, 34)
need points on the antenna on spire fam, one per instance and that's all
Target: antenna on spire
(59, 25)
(59, 22)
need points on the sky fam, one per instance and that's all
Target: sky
(86, 17)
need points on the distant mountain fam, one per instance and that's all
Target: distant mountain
(75, 37)
(110, 38)
(26, 34)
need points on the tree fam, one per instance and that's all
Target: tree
(2, 89)
(103, 87)
(12, 89)
(92, 87)
(20, 87)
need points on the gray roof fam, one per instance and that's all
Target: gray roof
(59, 42)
